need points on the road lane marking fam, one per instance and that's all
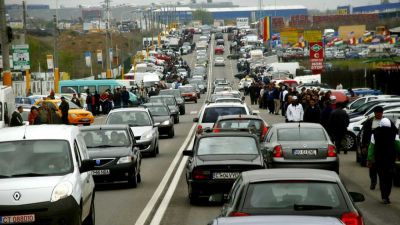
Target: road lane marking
(171, 190)
(157, 194)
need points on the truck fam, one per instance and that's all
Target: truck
(256, 55)
(290, 67)
(7, 105)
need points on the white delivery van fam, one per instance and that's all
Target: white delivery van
(256, 55)
(287, 66)
(7, 105)
(45, 176)
(151, 79)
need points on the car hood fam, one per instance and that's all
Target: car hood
(160, 119)
(110, 152)
(30, 189)
(139, 131)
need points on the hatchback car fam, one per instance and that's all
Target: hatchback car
(300, 192)
(44, 176)
(113, 148)
(162, 115)
(218, 159)
(178, 96)
(300, 145)
(239, 122)
(141, 123)
(170, 101)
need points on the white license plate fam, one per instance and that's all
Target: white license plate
(100, 172)
(187, 97)
(85, 120)
(305, 152)
(225, 175)
(29, 218)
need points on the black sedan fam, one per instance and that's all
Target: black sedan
(162, 115)
(299, 192)
(178, 96)
(170, 101)
(113, 148)
(217, 159)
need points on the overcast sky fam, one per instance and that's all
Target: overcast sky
(311, 4)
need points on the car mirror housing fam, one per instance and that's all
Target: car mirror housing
(357, 197)
(87, 165)
(187, 153)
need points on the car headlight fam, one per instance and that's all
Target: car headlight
(62, 190)
(165, 123)
(147, 135)
(73, 115)
(126, 159)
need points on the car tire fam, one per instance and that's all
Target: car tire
(349, 141)
(195, 101)
(182, 112)
(154, 152)
(91, 218)
(171, 132)
(193, 197)
(176, 119)
(157, 150)
(133, 180)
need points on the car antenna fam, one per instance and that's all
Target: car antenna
(24, 137)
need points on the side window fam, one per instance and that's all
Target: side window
(6, 117)
(269, 136)
(78, 156)
(235, 191)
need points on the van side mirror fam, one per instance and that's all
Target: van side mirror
(87, 165)
(357, 197)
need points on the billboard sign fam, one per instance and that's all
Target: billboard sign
(290, 36)
(312, 35)
(351, 32)
(20, 56)
(316, 57)
(50, 62)
(242, 22)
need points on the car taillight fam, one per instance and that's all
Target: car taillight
(278, 151)
(264, 132)
(236, 214)
(331, 151)
(200, 174)
(352, 218)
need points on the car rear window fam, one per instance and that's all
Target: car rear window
(284, 195)
(301, 134)
(211, 114)
(239, 124)
(227, 146)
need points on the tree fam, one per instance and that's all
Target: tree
(204, 16)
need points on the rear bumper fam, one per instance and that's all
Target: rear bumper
(334, 166)
(190, 98)
(209, 187)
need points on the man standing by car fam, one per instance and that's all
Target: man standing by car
(294, 112)
(16, 118)
(367, 131)
(382, 152)
(64, 107)
(338, 122)
(312, 113)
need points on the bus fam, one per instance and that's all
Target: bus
(80, 86)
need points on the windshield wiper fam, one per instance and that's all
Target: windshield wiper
(300, 207)
(29, 175)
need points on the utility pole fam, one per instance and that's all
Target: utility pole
(108, 60)
(24, 19)
(55, 41)
(4, 44)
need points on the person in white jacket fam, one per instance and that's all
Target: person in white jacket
(294, 112)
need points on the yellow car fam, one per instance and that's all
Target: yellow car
(76, 115)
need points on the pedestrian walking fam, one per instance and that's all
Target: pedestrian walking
(294, 112)
(33, 116)
(117, 98)
(277, 101)
(76, 101)
(382, 152)
(16, 117)
(312, 113)
(327, 110)
(252, 93)
(124, 97)
(283, 99)
(338, 122)
(64, 107)
(339, 86)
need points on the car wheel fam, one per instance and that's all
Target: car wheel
(139, 178)
(182, 112)
(171, 132)
(349, 141)
(154, 152)
(176, 120)
(133, 180)
(195, 101)
(90, 219)
(157, 150)
(358, 156)
(193, 197)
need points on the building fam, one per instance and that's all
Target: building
(388, 7)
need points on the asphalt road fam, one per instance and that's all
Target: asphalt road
(156, 201)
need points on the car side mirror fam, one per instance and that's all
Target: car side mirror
(156, 124)
(357, 197)
(187, 153)
(216, 198)
(195, 119)
(87, 165)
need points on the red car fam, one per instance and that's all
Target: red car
(188, 93)
(163, 57)
(219, 50)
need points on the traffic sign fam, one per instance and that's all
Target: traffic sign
(20, 57)
(316, 57)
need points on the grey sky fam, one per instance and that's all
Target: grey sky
(311, 4)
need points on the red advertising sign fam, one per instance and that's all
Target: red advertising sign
(316, 57)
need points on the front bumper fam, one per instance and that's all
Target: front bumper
(63, 212)
(164, 129)
(118, 172)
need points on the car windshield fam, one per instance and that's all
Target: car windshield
(163, 100)
(287, 196)
(239, 124)
(132, 118)
(158, 110)
(211, 114)
(35, 158)
(301, 134)
(216, 96)
(227, 146)
(25, 101)
(173, 92)
(105, 138)
(187, 89)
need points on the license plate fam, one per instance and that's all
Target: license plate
(225, 175)
(305, 152)
(29, 218)
(187, 97)
(84, 120)
(100, 172)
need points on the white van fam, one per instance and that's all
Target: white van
(44, 176)
(7, 105)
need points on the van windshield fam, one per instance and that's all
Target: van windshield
(35, 158)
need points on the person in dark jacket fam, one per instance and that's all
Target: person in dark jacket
(16, 118)
(117, 98)
(337, 126)
(312, 112)
(252, 92)
(382, 152)
(76, 100)
(64, 107)
(326, 112)
(125, 97)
